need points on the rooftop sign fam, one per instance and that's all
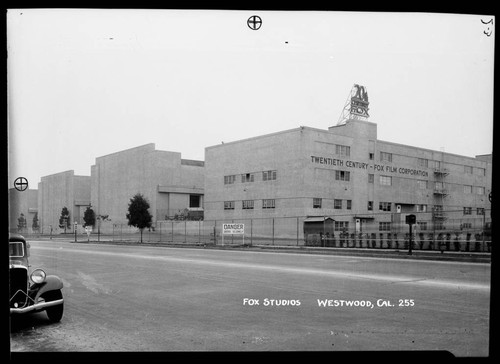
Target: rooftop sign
(356, 106)
(359, 101)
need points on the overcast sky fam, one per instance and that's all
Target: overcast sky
(86, 83)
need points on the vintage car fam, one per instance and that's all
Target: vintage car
(32, 292)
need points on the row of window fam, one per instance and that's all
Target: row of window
(346, 176)
(468, 211)
(250, 177)
(421, 184)
(249, 204)
(337, 204)
(345, 151)
(426, 163)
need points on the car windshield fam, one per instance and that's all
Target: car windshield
(16, 249)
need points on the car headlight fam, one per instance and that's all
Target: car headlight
(38, 276)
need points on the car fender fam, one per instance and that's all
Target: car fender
(51, 283)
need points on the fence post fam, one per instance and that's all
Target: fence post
(172, 231)
(251, 232)
(482, 227)
(323, 236)
(273, 230)
(215, 232)
(199, 232)
(185, 231)
(297, 231)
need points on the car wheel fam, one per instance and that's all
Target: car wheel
(55, 313)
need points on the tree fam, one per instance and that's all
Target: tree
(64, 221)
(99, 219)
(138, 214)
(89, 217)
(21, 222)
(35, 225)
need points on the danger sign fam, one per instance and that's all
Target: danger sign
(228, 229)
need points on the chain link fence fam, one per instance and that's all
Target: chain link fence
(465, 231)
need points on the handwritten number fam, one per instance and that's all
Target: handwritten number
(488, 31)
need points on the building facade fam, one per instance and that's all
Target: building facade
(56, 191)
(172, 185)
(346, 173)
(23, 210)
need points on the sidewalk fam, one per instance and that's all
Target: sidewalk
(477, 257)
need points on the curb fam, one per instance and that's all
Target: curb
(472, 257)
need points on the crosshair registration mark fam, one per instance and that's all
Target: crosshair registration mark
(254, 22)
(21, 183)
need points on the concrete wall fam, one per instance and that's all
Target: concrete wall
(158, 175)
(280, 152)
(25, 202)
(116, 178)
(306, 162)
(62, 190)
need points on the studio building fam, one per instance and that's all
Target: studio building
(171, 185)
(59, 190)
(348, 176)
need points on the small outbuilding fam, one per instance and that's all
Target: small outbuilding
(318, 230)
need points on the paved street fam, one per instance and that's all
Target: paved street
(131, 298)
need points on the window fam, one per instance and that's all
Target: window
(439, 186)
(228, 205)
(16, 249)
(467, 210)
(385, 157)
(349, 204)
(343, 150)
(371, 178)
(370, 205)
(247, 177)
(467, 189)
(341, 225)
(481, 171)
(385, 180)
(337, 204)
(268, 204)
(421, 208)
(436, 164)
(371, 156)
(480, 211)
(422, 225)
(439, 225)
(480, 190)
(228, 180)
(268, 175)
(422, 185)
(247, 205)
(466, 225)
(194, 201)
(384, 206)
(317, 203)
(342, 175)
(384, 226)
(423, 162)
(468, 169)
